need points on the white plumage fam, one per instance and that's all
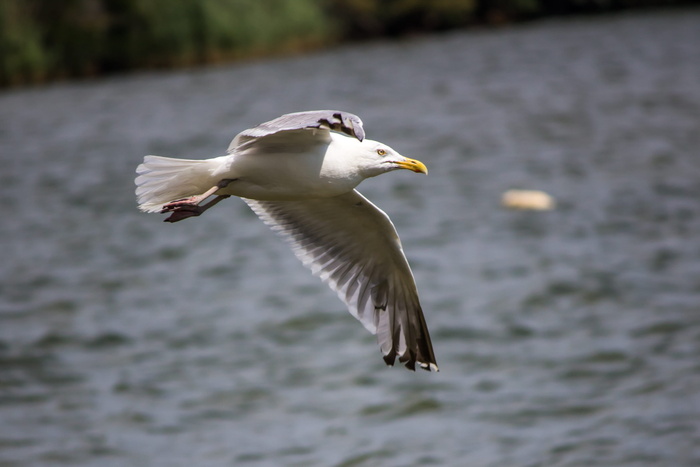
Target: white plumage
(299, 173)
(164, 179)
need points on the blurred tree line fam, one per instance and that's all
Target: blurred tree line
(49, 39)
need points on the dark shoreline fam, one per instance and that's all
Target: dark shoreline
(43, 41)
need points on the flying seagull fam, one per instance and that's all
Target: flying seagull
(298, 173)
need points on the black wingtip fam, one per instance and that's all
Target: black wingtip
(410, 361)
(346, 123)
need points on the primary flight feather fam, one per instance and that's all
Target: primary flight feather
(298, 173)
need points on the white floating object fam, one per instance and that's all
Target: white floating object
(533, 200)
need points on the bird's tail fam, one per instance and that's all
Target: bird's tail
(163, 179)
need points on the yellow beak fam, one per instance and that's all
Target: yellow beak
(412, 165)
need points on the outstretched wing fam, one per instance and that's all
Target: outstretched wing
(325, 120)
(353, 246)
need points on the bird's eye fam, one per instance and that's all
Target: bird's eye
(381, 152)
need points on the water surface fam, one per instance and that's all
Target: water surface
(567, 338)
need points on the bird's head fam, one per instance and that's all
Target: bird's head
(376, 158)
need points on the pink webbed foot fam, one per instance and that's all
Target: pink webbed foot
(191, 207)
(182, 209)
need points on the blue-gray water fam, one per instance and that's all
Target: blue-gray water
(564, 338)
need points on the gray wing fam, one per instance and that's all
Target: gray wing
(325, 120)
(353, 246)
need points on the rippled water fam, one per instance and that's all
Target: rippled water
(567, 338)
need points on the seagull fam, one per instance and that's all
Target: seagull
(298, 173)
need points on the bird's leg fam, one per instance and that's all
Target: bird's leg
(192, 207)
(184, 208)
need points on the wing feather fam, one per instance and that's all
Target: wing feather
(294, 124)
(353, 246)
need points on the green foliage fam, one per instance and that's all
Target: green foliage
(22, 57)
(183, 32)
(46, 39)
(42, 39)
